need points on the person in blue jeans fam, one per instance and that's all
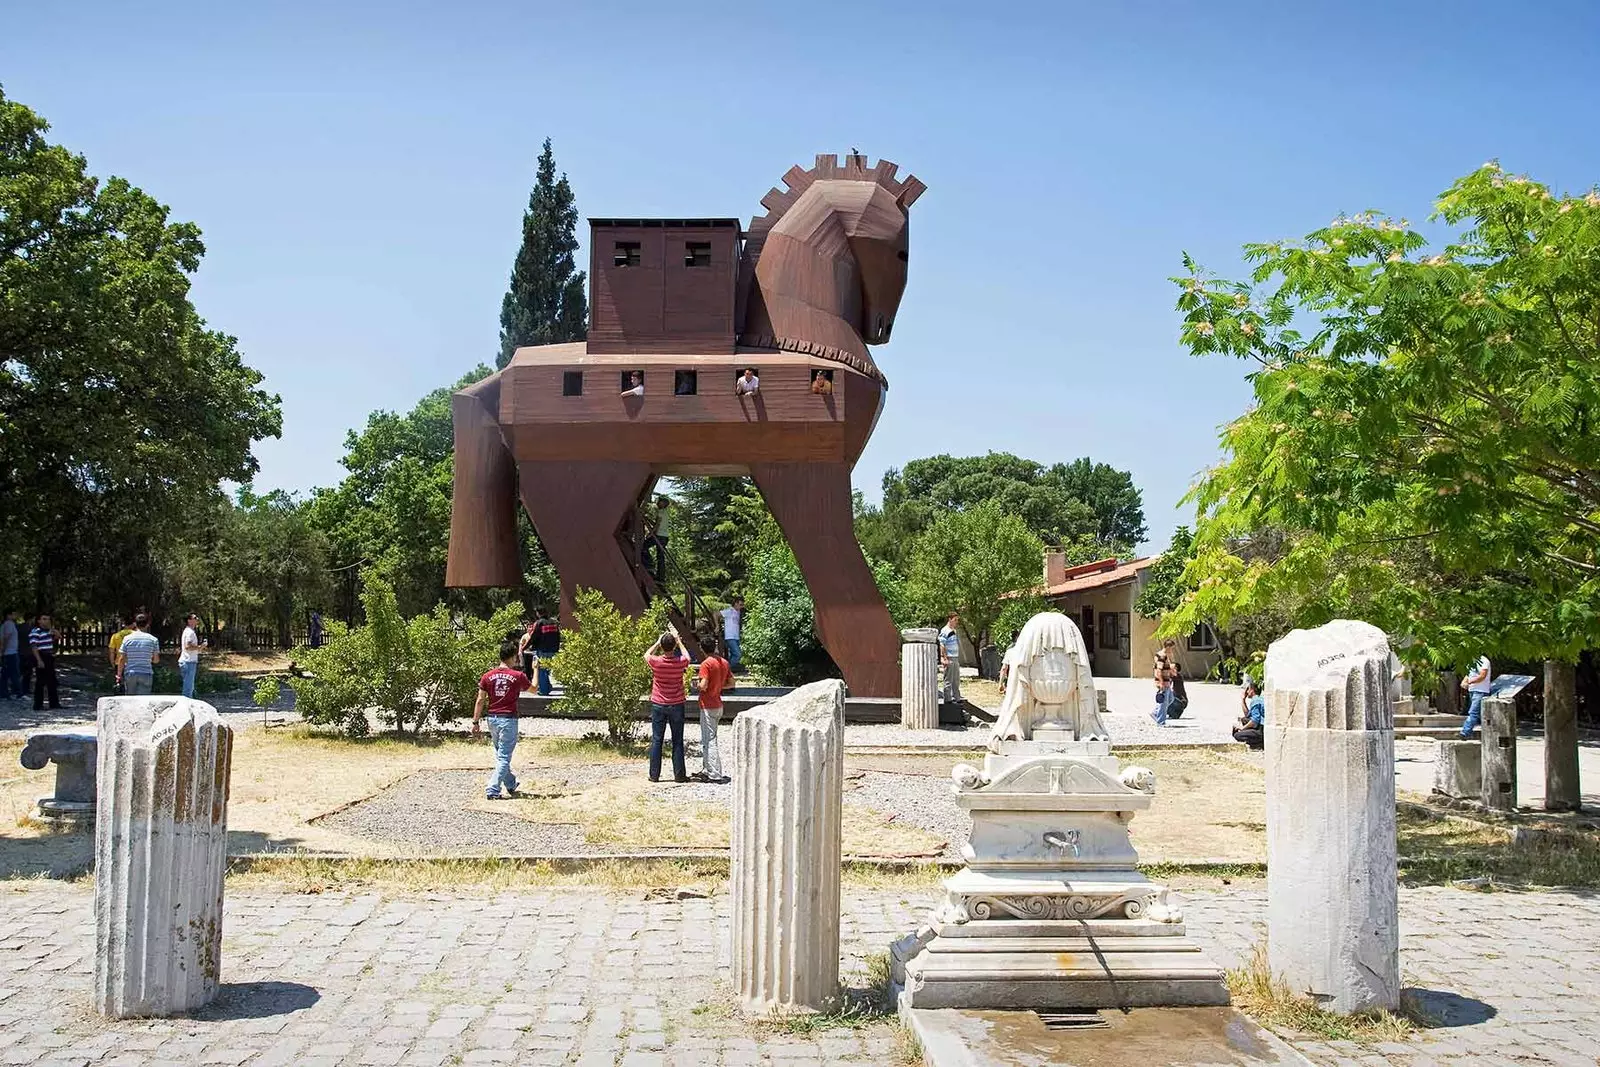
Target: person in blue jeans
(1250, 729)
(667, 698)
(498, 691)
(1166, 669)
(189, 646)
(1478, 686)
(547, 643)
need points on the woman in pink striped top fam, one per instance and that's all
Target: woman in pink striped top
(667, 699)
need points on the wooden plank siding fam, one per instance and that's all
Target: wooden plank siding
(661, 304)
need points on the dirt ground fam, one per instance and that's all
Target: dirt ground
(1207, 807)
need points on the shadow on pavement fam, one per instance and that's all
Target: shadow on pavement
(258, 1000)
(1443, 1010)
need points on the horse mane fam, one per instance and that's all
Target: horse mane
(779, 201)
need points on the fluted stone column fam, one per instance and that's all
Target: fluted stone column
(787, 794)
(160, 849)
(1333, 925)
(919, 679)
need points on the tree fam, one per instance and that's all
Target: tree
(120, 411)
(545, 303)
(972, 562)
(392, 511)
(1091, 509)
(1164, 586)
(1445, 398)
(601, 663)
(417, 671)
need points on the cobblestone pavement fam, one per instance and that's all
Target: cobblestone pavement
(584, 977)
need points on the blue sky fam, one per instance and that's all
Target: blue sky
(360, 169)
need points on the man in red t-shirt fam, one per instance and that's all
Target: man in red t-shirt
(499, 689)
(667, 663)
(715, 673)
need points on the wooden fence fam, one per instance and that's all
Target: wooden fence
(85, 639)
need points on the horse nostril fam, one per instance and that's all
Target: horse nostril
(887, 327)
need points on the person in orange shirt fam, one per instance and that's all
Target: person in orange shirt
(715, 673)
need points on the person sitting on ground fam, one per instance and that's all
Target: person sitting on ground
(137, 655)
(1251, 729)
(635, 384)
(748, 384)
(499, 688)
(715, 673)
(667, 698)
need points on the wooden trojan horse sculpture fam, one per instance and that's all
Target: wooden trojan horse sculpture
(679, 308)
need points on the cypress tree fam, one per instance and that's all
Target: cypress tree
(545, 303)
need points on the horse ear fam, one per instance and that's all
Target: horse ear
(910, 189)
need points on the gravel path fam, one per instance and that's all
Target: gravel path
(923, 801)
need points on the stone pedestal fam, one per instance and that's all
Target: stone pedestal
(73, 752)
(787, 795)
(1497, 733)
(1332, 894)
(919, 679)
(1458, 769)
(160, 850)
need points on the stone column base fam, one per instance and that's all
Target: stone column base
(1020, 964)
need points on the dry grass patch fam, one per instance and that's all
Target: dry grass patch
(629, 812)
(1267, 998)
(1440, 851)
(298, 873)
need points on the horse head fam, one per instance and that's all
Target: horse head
(824, 270)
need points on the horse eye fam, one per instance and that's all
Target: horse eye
(904, 256)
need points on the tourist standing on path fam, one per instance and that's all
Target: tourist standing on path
(499, 688)
(1251, 729)
(1166, 660)
(547, 644)
(189, 646)
(42, 645)
(950, 657)
(732, 627)
(314, 630)
(10, 659)
(525, 645)
(115, 644)
(667, 698)
(137, 656)
(715, 673)
(1478, 685)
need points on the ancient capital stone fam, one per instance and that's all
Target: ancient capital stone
(74, 754)
(1332, 891)
(160, 851)
(1050, 686)
(787, 799)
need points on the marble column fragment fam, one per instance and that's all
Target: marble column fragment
(787, 797)
(1332, 893)
(919, 679)
(1498, 734)
(160, 851)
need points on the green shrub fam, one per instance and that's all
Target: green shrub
(601, 663)
(415, 672)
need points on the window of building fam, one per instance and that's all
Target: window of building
(1204, 638)
(626, 254)
(685, 383)
(572, 383)
(697, 254)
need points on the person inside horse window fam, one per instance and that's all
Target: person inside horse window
(747, 384)
(822, 382)
(635, 384)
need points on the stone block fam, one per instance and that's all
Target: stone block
(160, 852)
(74, 754)
(787, 799)
(1458, 769)
(919, 679)
(1332, 891)
(1497, 734)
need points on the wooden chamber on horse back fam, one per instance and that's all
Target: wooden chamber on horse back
(688, 304)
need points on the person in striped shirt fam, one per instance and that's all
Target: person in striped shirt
(137, 656)
(667, 698)
(42, 643)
